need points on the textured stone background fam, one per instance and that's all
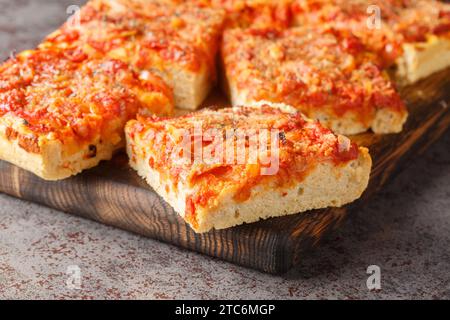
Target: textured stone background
(405, 230)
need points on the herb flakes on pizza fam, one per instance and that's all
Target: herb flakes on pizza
(179, 42)
(411, 35)
(327, 74)
(254, 13)
(61, 113)
(221, 168)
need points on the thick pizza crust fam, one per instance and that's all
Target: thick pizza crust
(384, 121)
(52, 162)
(327, 185)
(190, 89)
(421, 59)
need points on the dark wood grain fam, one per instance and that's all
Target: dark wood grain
(113, 194)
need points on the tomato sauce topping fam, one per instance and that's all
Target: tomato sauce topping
(256, 14)
(313, 69)
(402, 21)
(146, 34)
(300, 145)
(64, 93)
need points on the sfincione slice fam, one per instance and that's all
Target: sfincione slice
(326, 74)
(221, 168)
(179, 42)
(61, 113)
(411, 35)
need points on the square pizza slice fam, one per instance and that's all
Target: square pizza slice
(413, 36)
(326, 74)
(179, 42)
(61, 113)
(221, 168)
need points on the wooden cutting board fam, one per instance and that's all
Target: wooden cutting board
(114, 195)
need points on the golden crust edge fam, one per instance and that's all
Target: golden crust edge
(384, 121)
(422, 59)
(326, 186)
(189, 88)
(50, 163)
(341, 184)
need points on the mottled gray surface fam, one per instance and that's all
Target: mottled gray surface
(405, 230)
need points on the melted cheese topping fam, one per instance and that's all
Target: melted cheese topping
(61, 94)
(254, 13)
(151, 35)
(315, 70)
(302, 144)
(402, 21)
